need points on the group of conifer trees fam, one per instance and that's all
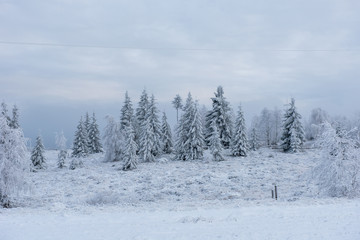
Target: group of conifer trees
(140, 136)
(86, 140)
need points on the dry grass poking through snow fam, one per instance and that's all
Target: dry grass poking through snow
(197, 182)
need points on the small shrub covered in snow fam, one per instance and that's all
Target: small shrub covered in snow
(76, 162)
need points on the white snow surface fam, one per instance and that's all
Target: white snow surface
(199, 199)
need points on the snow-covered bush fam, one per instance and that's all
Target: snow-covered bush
(338, 172)
(14, 167)
(76, 162)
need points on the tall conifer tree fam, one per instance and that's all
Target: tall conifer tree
(239, 146)
(221, 114)
(166, 136)
(293, 135)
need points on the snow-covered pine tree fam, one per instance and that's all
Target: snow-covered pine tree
(127, 113)
(147, 142)
(60, 141)
(196, 136)
(80, 146)
(189, 136)
(293, 135)
(130, 148)
(113, 140)
(95, 145)
(221, 114)
(239, 143)
(4, 113)
(338, 172)
(14, 122)
(177, 103)
(155, 125)
(182, 143)
(254, 140)
(87, 125)
(37, 155)
(151, 133)
(215, 144)
(139, 119)
(166, 136)
(14, 166)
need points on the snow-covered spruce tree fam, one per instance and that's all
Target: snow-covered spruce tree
(338, 172)
(4, 113)
(177, 103)
(86, 128)
(80, 146)
(196, 135)
(151, 133)
(140, 115)
(130, 148)
(182, 144)
(14, 166)
(37, 155)
(215, 144)
(254, 140)
(60, 141)
(95, 145)
(239, 143)
(189, 136)
(147, 142)
(293, 135)
(221, 114)
(113, 140)
(166, 136)
(14, 122)
(127, 113)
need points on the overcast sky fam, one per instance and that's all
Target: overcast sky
(261, 52)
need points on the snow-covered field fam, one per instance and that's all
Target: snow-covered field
(168, 199)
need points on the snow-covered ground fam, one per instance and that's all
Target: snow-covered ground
(168, 199)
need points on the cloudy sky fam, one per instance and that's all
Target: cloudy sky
(61, 58)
